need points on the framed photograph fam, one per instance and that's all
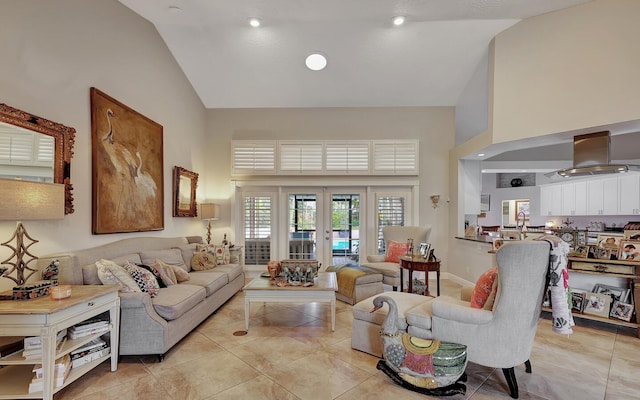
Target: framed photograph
(609, 240)
(485, 202)
(577, 301)
(580, 251)
(621, 310)
(632, 234)
(629, 250)
(597, 304)
(185, 183)
(127, 168)
(522, 206)
(616, 293)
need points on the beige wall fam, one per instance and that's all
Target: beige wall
(433, 126)
(572, 69)
(52, 53)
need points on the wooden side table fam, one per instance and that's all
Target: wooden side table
(413, 263)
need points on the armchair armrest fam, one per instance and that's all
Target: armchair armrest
(376, 258)
(466, 293)
(459, 311)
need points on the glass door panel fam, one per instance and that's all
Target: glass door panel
(302, 225)
(344, 229)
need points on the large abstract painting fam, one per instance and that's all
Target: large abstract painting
(127, 168)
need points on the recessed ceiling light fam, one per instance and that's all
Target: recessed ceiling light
(480, 154)
(255, 22)
(399, 20)
(315, 61)
(174, 9)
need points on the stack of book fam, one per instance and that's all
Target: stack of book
(93, 350)
(91, 326)
(33, 344)
(60, 373)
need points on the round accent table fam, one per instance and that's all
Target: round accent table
(413, 263)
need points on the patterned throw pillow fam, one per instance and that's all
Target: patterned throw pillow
(50, 273)
(180, 273)
(395, 250)
(167, 276)
(221, 251)
(146, 280)
(203, 261)
(155, 273)
(486, 284)
(111, 273)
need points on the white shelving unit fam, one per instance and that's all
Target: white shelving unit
(45, 318)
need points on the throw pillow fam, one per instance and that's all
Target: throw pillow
(483, 288)
(155, 273)
(167, 275)
(181, 274)
(50, 273)
(111, 273)
(395, 250)
(203, 261)
(146, 280)
(169, 256)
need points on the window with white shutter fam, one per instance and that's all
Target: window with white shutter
(347, 156)
(253, 157)
(395, 157)
(257, 229)
(391, 210)
(300, 157)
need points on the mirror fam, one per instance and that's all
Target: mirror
(61, 149)
(515, 212)
(184, 193)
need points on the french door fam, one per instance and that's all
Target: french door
(325, 224)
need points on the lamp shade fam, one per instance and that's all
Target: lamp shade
(210, 211)
(26, 200)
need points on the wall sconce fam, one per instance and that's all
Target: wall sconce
(435, 198)
(209, 212)
(26, 200)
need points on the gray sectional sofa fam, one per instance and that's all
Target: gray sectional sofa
(154, 325)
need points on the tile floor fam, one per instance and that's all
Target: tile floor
(290, 353)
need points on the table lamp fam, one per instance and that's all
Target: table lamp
(26, 200)
(209, 212)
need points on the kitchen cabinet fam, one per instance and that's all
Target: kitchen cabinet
(574, 198)
(550, 200)
(629, 194)
(602, 196)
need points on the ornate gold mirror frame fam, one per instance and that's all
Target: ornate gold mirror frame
(184, 193)
(64, 137)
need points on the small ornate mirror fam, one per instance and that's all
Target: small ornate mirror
(184, 193)
(39, 153)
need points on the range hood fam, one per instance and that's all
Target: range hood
(591, 156)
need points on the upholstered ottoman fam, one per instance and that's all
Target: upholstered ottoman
(356, 283)
(414, 312)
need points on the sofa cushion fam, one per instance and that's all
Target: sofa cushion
(385, 268)
(395, 250)
(232, 270)
(145, 279)
(404, 301)
(90, 272)
(420, 315)
(187, 252)
(203, 261)
(169, 256)
(111, 273)
(173, 301)
(210, 280)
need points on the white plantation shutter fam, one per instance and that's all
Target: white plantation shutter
(347, 156)
(255, 157)
(395, 157)
(335, 157)
(300, 157)
(46, 147)
(391, 212)
(26, 148)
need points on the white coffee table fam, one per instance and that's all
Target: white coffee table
(323, 290)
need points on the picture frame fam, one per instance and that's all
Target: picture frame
(127, 168)
(522, 206)
(629, 250)
(620, 310)
(485, 202)
(424, 250)
(632, 234)
(609, 240)
(580, 252)
(597, 304)
(578, 300)
(616, 293)
(185, 183)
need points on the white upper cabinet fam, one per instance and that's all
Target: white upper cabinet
(629, 194)
(574, 198)
(550, 200)
(602, 196)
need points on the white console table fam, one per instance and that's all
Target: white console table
(45, 318)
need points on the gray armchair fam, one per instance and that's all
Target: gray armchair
(390, 270)
(501, 337)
